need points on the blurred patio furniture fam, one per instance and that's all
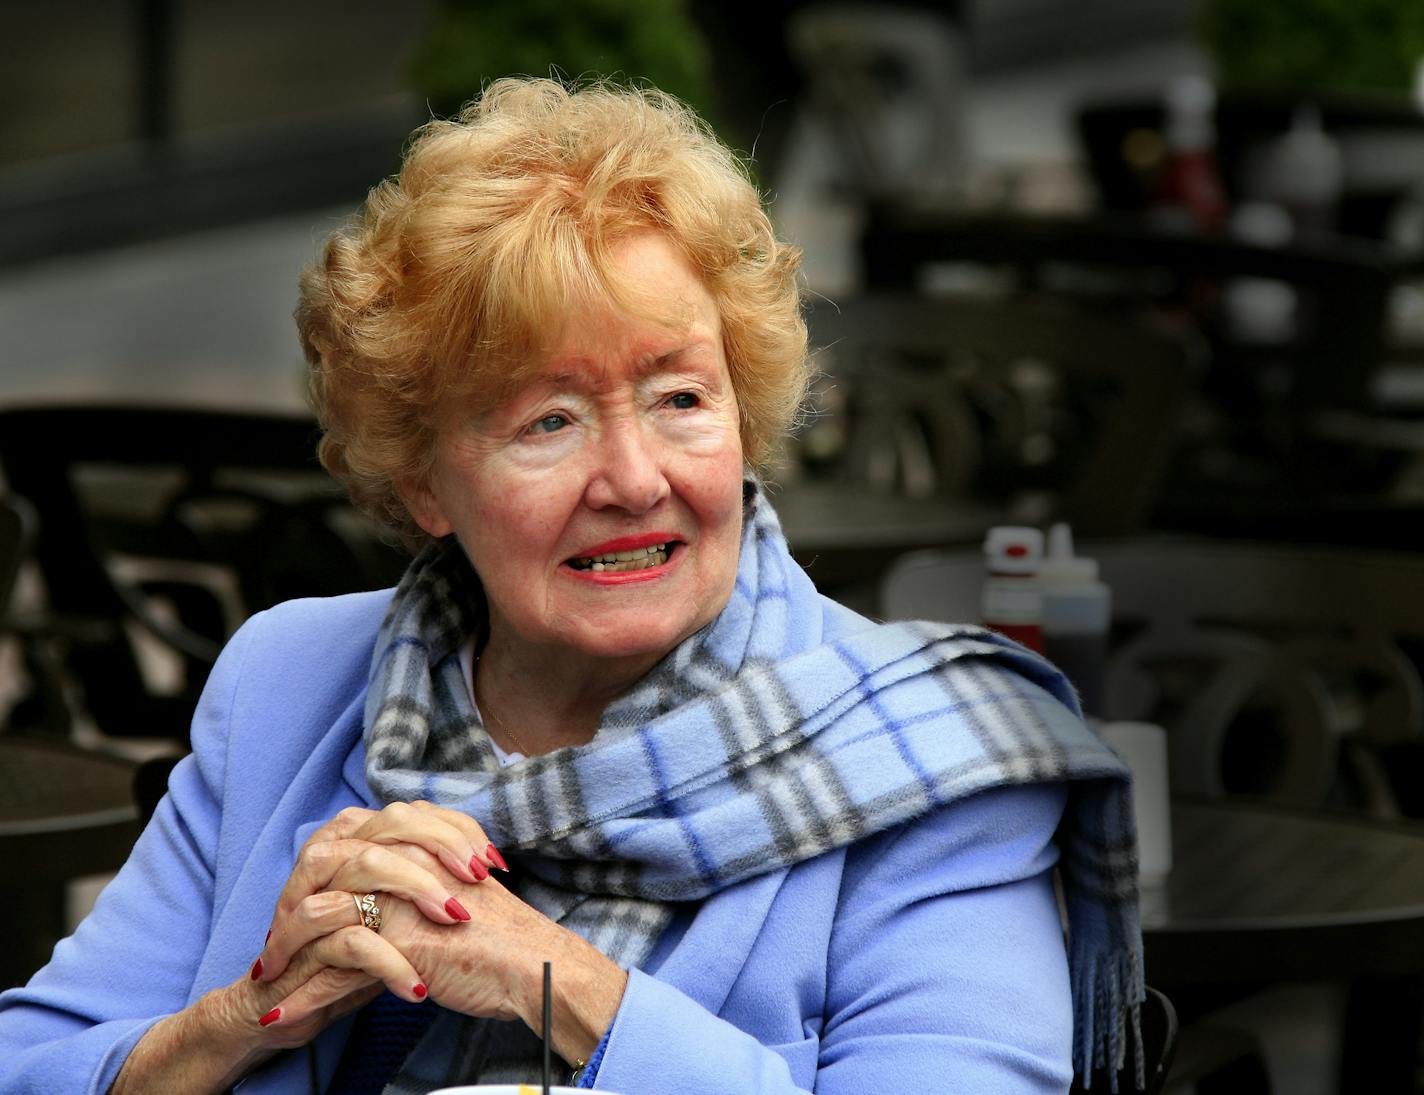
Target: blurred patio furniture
(1380, 138)
(1263, 895)
(159, 531)
(65, 812)
(1023, 408)
(44, 702)
(884, 82)
(1281, 672)
(936, 419)
(879, 115)
(17, 523)
(1285, 417)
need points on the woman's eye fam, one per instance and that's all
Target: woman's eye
(683, 401)
(549, 423)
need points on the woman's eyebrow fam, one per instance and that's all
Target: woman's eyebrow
(668, 357)
(576, 375)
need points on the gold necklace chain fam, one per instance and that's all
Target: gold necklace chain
(487, 711)
(504, 729)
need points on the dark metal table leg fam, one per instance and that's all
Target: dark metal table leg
(1381, 1039)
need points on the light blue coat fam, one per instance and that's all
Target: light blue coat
(926, 959)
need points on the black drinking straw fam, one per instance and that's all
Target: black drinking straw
(548, 1019)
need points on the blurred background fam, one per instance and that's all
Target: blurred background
(1151, 267)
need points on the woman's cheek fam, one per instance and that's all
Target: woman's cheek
(528, 455)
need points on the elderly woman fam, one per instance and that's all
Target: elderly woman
(766, 844)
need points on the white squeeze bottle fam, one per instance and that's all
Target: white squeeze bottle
(1010, 603)
(1076, 608)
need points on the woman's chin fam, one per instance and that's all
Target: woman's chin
(629, 648)
(622, 640)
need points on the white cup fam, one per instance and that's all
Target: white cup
(1143, 748)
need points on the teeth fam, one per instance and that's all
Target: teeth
(618, 562)
(612, 560)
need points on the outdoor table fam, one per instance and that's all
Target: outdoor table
(65, 812)
(1262, 894)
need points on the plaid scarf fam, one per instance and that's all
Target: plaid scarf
(754, 745)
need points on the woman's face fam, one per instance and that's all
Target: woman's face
(625, 444)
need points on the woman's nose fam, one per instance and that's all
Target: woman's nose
(628, 472)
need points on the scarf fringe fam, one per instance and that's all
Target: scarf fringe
(1108, 990)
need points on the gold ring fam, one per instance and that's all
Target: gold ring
(368, 911)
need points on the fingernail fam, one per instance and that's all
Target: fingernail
(419, 991)
(455, 909)
(270, 1018)
(478, 869)
(497, 860)
(257, 969)
(269, 937)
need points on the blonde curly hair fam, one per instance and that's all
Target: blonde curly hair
(450, 281)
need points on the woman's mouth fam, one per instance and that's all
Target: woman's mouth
(618, 562)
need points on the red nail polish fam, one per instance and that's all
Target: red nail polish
(270, 1018)
(455, 909)
(478, 869)
(256, 969)
(269, 937)
(419, 991)
(497, 860)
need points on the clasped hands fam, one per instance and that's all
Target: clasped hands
(449, 931)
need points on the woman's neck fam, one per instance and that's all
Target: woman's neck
(532, 706)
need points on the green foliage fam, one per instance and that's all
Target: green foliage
(1315, 45)
(473, 42)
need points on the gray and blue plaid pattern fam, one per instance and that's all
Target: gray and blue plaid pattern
(754, 745)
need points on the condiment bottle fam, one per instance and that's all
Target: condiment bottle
(1011, 601)
(1076, 614)
(1303, 171)
(1190, 183)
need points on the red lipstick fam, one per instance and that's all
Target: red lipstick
(629, 543)
(630, 577)
(598, 575)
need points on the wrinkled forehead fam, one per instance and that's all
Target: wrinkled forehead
(622, 299)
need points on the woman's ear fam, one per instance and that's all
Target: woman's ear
(420, 500)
